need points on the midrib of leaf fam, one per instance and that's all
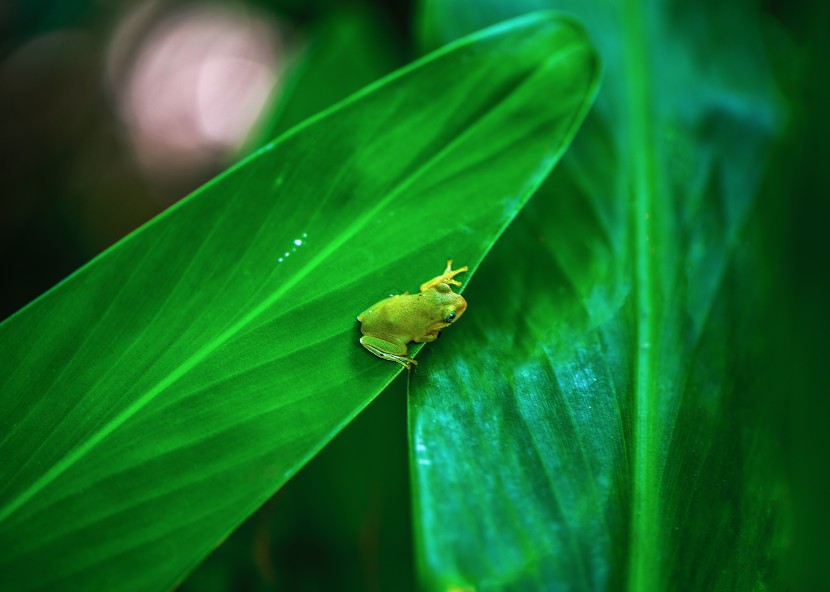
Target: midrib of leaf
(349, 232)
(643, 573)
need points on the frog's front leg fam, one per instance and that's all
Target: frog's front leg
(388, 347)
(428, 337)
(444, 278)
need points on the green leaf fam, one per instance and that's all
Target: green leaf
(599, 420)
(155, 398)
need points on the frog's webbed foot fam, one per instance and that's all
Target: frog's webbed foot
(444, 278)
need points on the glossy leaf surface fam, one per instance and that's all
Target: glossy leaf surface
(599, 423)
(155, 398)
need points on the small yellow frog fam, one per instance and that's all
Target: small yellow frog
(390, 324)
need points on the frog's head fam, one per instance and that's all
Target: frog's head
(450, 305)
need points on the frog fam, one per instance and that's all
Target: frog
(389, 325)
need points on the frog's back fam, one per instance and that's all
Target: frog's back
(378, 310)
(404, 315)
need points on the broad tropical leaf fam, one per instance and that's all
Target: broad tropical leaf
(599, 424)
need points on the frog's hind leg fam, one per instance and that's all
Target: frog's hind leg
(394, 352)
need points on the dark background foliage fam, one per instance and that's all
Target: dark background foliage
(72, 186)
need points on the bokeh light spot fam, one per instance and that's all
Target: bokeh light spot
(190, 84)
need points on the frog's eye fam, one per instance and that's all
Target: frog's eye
(450, 317)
